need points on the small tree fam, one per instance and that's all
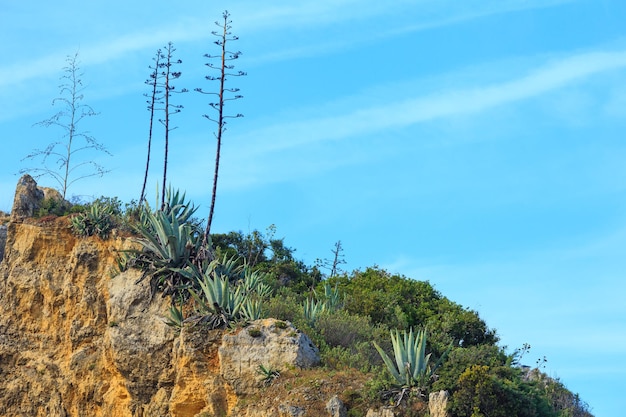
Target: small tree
(224, 94)
(67, 170)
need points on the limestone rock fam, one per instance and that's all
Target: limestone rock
(336, 408)
(139, 341)
(381, 412)
(287, 410)
(27, 198)
(77, 338)
(51, 193)
(3, 239)
(271, 343)
(437, 404)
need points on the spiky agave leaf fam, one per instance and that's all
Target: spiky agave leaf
(332, 298)
(177, 205)
(411, 362)
(176, 318)
(312, 309)
(251, 309)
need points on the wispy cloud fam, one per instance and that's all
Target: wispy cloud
(301, 145)
(253, 19)
(424, 15)
(549, 77)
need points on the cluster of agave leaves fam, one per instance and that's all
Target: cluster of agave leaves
(328, 302)
(410, 366)
(175, 253)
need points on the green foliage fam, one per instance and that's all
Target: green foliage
(170, 242)
(176, 205)
(312, 309)
(98, 219)
(390, 299)
(330, 301)
(453, 325)
(228, 291)
(348, 317)
(254, 332)
(563, 402)
(268, 374)
(402, 303)
(340, 328)
(176, 319)
(499, 392)
(264, 253)
(252, 309)
(53, 206)
(285, 305)
(167, 246)
(460, 358)
(411, 368)
(218, 300)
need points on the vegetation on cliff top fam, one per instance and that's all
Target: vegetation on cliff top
(349, 316)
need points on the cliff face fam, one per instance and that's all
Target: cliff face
(77, 340)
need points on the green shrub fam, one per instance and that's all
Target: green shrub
(226, 291)
(254, 332)
(459, 359)
(53, 206)
(285, 306)
(497, 392)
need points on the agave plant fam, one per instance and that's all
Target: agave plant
(251, 309)
(167, 246)
(312, 310)
(411, 368)
(96, 220)
(226, 291)
(176, 319)
(177, 205)
(218, 296)
(217, 299)
(252, 283)
(332, 298)
(268, 374)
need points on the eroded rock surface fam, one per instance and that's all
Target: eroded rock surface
(271, 343)
(79, 339)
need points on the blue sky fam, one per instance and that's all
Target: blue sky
(476, 144)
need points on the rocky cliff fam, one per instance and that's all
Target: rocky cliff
(78, 339)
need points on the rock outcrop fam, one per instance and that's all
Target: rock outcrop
(270, 343)
(336, 408)
(79, 339)
(4, 219)
(29, 196)
(438, 403)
